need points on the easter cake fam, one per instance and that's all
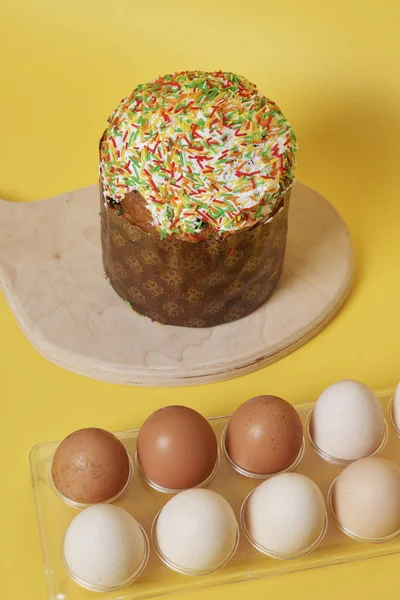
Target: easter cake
(196, 170)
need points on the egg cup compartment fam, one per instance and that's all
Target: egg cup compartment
(190, 572)
(144, 503)
(390, 410)
(354, 536)
(164, 490)
(339, 461)
(81, 505)
(259, 476)
(120, 586)
(271, 553)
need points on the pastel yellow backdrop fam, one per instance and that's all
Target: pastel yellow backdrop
(333, 67)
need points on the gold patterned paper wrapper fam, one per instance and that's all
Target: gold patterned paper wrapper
(201, 284)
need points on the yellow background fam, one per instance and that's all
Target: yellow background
(333, 67)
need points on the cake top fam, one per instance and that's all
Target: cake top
(202, 149)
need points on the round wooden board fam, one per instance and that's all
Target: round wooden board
(52, 277)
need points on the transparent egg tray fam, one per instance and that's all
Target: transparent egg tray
(144, 502)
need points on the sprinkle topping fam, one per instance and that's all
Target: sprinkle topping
(202, 149)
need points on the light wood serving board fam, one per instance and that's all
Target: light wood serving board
(52, 276)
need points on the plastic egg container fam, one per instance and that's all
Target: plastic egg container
(248, 524)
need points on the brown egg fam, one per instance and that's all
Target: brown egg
(89, 466)
(177, 448)
(366, 498)
(264, 435)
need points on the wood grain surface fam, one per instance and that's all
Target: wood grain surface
(52, 276)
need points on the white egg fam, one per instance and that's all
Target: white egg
(104, 546)
(347, 421)
(197, 530)
(286, 514)
(396, 407)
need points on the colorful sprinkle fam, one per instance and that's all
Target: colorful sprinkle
(200, 148)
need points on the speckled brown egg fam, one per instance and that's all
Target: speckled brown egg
(264, 435)
(89, 466)
(177, 448)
